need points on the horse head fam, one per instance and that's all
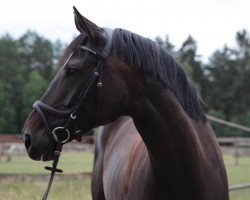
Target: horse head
(89, 90)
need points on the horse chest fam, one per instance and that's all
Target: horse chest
(126, 170)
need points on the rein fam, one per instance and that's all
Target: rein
(56, 134)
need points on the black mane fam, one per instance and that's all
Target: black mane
(145, 55)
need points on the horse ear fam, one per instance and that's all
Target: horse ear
(84, 25)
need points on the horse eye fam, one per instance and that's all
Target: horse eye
(70, 72)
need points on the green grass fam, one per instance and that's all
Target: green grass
(238, 174)
(70, 163)
(32, 187)
(240, 195)
(32, 190)
(73, 187)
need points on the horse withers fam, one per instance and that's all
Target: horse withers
(155, 142)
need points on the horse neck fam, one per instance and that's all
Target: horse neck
(170, 135)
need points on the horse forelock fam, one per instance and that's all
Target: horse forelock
(144, 55)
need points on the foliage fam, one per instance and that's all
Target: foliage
(11, 83)
(229, 82)
(187, 55)
(34, 88)
(225, 131)
(36, 52)
(28, 64)
(223, 82)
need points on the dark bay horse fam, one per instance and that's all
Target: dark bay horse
(156, 142)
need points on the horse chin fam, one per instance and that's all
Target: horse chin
(42, 152)
(47, 157)
(34, 155)
(48, 154)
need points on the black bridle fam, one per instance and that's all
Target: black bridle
(71, 114)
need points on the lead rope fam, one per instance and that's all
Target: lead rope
(53, 169)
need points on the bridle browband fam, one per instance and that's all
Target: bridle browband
(71, 114)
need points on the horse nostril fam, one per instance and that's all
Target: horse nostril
(27, 140)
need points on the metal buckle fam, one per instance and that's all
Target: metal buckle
(96, 74)
(55, 136)
(99, 84)
(72, 116)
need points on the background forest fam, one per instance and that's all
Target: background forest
(28, 64)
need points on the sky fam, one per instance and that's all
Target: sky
(212, 23)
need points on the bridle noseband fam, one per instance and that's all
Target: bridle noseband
(71, 114)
